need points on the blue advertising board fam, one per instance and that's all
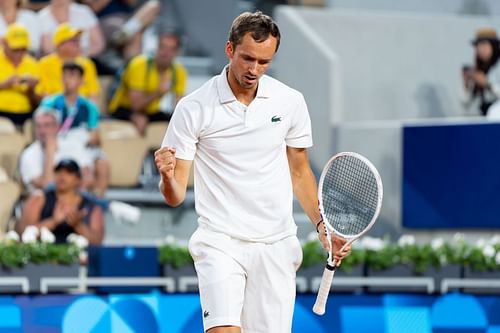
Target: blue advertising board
(451, 176)
(181, 313)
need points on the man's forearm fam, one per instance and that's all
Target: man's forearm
(140, 104)
(306, 192)
(173, 193)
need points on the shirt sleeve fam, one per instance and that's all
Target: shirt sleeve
(134, 74)
(48, 102)
(93, 121)
(93, 87)
(183, 130)
(180, 81)
(300, 135)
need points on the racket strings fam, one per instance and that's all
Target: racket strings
(349, 195)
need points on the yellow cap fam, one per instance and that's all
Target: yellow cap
(64, 33)
(17, 36)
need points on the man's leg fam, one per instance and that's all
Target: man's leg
(270, 292)
(221, 280)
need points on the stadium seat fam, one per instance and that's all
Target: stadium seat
(112, 129)
(155, 133)
(11, 146)
(9, 192)
(7, 126)
(28, 132)
(125, 150)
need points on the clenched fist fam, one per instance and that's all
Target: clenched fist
(165, 161)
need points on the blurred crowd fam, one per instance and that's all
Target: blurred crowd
(53, 58)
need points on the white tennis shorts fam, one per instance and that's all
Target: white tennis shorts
(246, 284)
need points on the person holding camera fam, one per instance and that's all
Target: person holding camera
(481, 82)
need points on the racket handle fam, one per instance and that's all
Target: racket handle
(324, 290)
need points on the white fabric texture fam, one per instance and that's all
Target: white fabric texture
(246, 284)
(80, 16)
(242, 180)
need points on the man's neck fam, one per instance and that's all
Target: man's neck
(162, 66)
(66, 196)
(245, 96)
(70, 97)
(15, 63)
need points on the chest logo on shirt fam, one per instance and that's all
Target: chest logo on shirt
(275, 119)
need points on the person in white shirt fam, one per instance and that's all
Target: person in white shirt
(36, 165)
(79, 17)
(247, 136)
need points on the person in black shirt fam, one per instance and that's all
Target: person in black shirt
(63, 209)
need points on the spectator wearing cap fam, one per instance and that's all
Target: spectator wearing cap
(19, 76)
(66, 39)
(11, 13)
(80, 122)
(63, 209)
(481, 81)
(77, 15)
(145, 81)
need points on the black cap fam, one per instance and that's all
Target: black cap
(70, 166)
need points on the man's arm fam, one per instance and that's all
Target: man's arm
(139, 100)
(304, 182)
(306, 191)
(94, 232)
(174, 175)
(47, 176)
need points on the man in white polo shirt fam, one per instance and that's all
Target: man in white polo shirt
(247, 135)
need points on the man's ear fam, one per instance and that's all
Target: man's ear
(229, 50)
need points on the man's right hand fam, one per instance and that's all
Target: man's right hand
(165, 162)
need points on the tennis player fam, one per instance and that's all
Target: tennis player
(247, 135)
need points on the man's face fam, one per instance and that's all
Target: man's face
(45, 126)
(70, 48)
(168, 47)
(72, 80)
(65, 180)
(14, 55)
(249, 60)
(484, 50)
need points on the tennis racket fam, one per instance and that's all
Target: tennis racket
(350, 197)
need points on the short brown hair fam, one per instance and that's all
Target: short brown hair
(258, 24)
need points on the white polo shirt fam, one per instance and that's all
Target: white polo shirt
(242, 180)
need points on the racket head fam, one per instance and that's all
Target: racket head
(350, 194)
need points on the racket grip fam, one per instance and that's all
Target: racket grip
(324, 290)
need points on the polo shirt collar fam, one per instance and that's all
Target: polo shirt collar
(226, 94)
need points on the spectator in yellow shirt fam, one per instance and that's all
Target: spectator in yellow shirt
(145, 81)
(19, 76)
(67, 42)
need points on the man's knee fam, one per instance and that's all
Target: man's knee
(224, 329)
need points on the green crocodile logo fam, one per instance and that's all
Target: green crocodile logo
(275, 119)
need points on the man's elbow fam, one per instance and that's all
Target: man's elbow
(173, 201)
